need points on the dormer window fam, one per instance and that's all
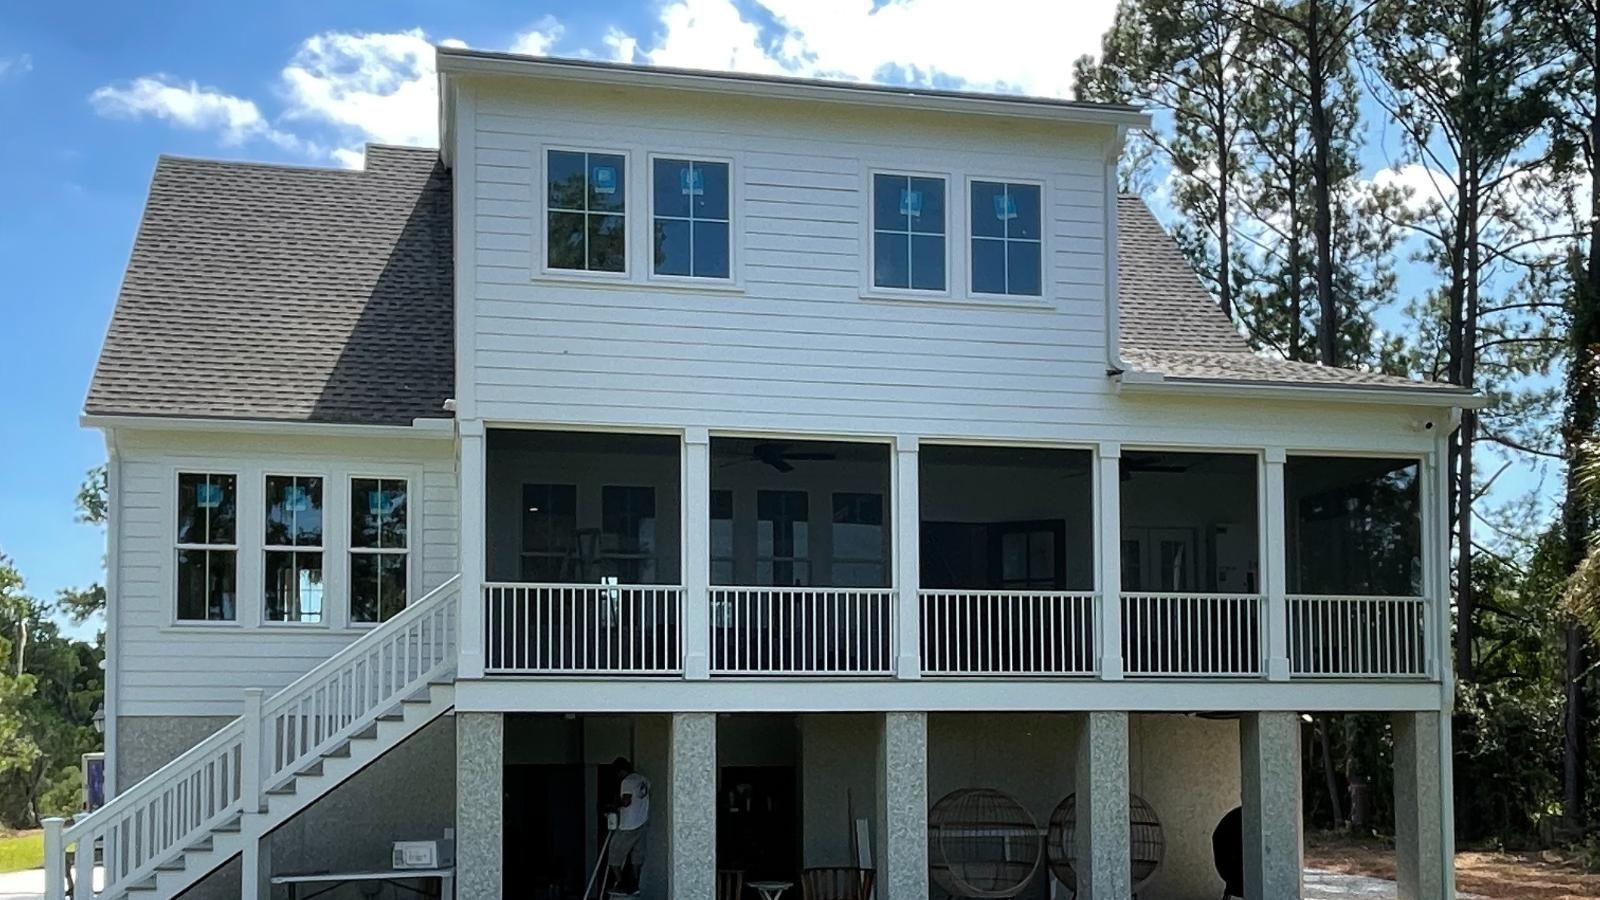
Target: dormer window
(586, 211)
(690, 222)
(1007, 239)
(908, 232)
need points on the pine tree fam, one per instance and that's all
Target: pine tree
(1179, 59)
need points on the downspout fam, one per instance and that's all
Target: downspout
(1113, 152)
(113, 671)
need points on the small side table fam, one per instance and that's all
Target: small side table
(771, 890)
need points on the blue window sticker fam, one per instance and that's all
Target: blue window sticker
(208, 495)
(910, 202)
(296, 499)
(692, 181)
(1005, 207)
(604, 180)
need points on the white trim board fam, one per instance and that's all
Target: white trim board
(935, 695)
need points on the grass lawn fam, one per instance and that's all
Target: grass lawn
(1544, 875)
(21, 850)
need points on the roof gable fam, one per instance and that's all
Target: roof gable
(284, 293)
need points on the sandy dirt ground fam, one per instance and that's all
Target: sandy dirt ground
(1540, 875)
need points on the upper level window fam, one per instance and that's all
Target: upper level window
(550, 533)
(293, 586)
(628, 533)
(691, 235)
(207, 545)
(783, 547)
(722, 558)
(1007, 250)
(586, 211)
(858, 540)
(908, 232)
(379, 548)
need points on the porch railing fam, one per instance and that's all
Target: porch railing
(1189, 634)
(1358, 637)
(802, 631)
(987, 633)
(583, 629)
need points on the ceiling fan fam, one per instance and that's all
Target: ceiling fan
(779, 457)
(1148, 462)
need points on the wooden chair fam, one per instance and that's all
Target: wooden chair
(730, 884)
(836, 883)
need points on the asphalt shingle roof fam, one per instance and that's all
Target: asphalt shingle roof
(283, 293)
(325, 295)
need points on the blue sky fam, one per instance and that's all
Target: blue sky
(92, 93)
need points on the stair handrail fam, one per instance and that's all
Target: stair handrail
(226, 755)
(356, 647)
(320, 708)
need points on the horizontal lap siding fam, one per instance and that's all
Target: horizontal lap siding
(184, 670)
(798, 347)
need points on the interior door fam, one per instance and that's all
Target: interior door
(758, 822)
(544, 839)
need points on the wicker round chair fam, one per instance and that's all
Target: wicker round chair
(982, 844)
(1145, 842)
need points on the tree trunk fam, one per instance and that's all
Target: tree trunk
(1329, 773)
(1457, 350)
(1222, 133)
(1578, 513)
(1322, 222)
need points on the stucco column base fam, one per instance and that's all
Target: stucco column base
(692, 806)
(480, 789)
(902, 827)
(1101, 786)
(1269, 763)
(1420, 870)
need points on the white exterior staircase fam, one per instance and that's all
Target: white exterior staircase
(216, 801)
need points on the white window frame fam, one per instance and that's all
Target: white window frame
(320, 548)
(177, 546)
(350, 549)
(869, 236)
(541, 228)
(734, 279)
(1044, 296)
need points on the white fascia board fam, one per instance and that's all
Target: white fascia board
(1136, 382)
(453, 61)
(419, 429)
(801, 695)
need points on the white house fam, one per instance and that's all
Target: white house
(824, 449)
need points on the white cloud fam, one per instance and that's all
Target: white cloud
(234, 119)
(365, 87)
(1422, 188)
(540, 39)
(1014, 45)
(15, 65)
(623, 47)
(341, 90)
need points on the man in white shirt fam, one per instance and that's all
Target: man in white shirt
(626, 854)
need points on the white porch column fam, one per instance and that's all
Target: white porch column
(1108, 618)
(901, 832)
(1101, 785)
(1275, 565)
(480, 778)
(692, 806)
(696, 553)
(1424, 844)
(1269, 761)
(472, 473)
(908, 558)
